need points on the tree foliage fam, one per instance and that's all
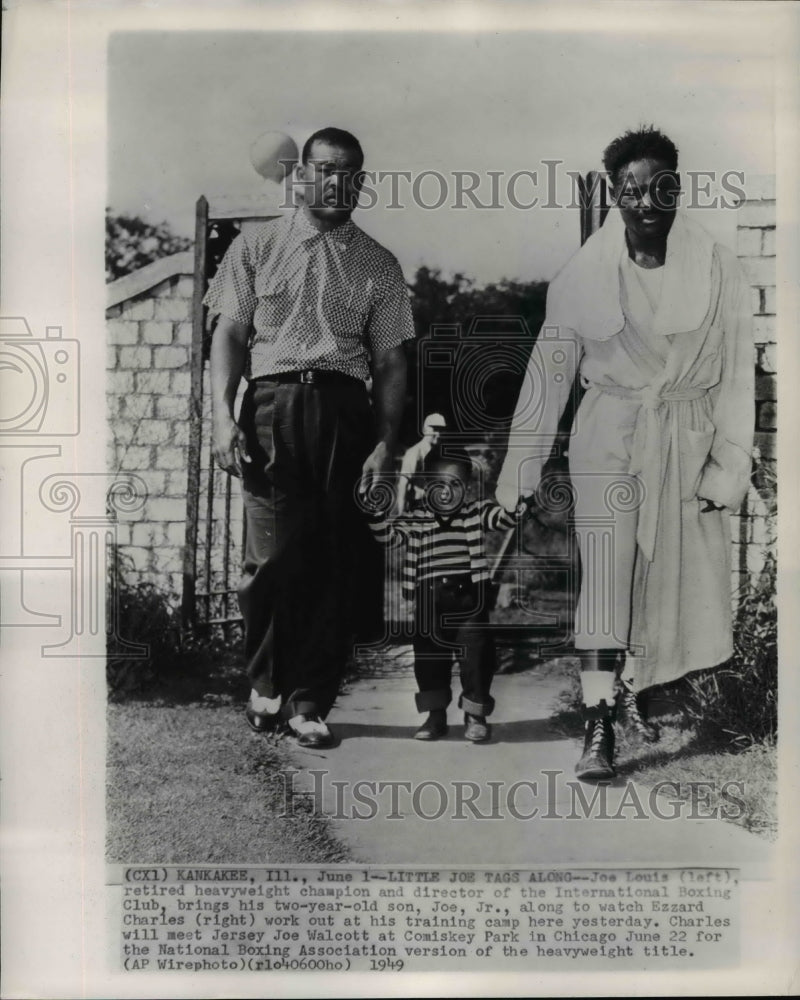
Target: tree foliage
(131, 243)
(471, 349)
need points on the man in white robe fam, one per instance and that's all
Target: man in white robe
(656, 318)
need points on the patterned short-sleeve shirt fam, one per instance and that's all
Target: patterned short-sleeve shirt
(313, 299)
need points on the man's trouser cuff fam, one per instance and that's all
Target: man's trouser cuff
(481, 708)
(293, 708)
(427, 701)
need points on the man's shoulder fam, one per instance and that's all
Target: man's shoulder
(369, 247)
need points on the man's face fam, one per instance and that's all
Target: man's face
(333, 180)
(647, 194)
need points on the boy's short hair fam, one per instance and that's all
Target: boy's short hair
(448, 455)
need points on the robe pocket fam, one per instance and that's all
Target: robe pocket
(695, 447)
(274, 302)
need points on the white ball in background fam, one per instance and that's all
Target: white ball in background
(273, 155)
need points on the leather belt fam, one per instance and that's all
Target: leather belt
(309, 376)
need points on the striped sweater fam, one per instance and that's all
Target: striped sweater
(436, 548)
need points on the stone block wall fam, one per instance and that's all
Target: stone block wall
(754, 529)
(147, 392)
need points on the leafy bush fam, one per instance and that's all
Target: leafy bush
(145, 616)
(131, 243)
(180, 665)
(738, 703)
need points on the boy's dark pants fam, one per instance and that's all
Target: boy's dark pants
(300, 594)
(452, 618)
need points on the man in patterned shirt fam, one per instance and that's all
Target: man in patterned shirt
(310, 308)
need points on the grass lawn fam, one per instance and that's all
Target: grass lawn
(188, 782)
(683, 754)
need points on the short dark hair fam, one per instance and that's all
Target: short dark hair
(333, 137)
(442, 455)
(644, 143)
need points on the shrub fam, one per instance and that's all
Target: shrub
(146, 616)
(738, 702)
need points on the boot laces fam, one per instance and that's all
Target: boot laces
(598, 737)
(632, 713)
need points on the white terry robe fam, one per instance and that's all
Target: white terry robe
(667, 418)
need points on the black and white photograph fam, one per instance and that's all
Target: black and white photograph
(392, 572)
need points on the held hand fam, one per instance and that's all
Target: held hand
(374, 467)
(229, 445)
(710, 505)
(508, 496)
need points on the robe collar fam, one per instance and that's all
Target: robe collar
(586, 293)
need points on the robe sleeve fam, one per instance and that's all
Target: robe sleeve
(545, 391)
(726, 475)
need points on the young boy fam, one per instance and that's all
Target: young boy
(447, 573)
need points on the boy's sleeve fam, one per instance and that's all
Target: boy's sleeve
(494, 517)
(386, 532)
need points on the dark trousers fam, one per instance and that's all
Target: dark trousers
(451, 619)
(304, 537)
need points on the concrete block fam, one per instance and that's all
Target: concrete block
(154, 432)
(123, 532)
(176, 483)
(759, 270)
(122, 332)
(140, 558)
(156, 332)
(172, 407)
(133, 458)
(766, 387)
(181, 383)
(183, 288)
(111, 358)
(135, 357)
(180, 433)
(182, 334)
(748, 242)
(155, 482)
(120, 383)
(766, 416)
(138, 308)
(168, 458)
(176, 309)
(768, 242)
(756, 214)
(123, 431)
(176, 533)
(768, 358)
(765, 329)
(144, 534)
(153, 382)
(760, 187)
(770, 301)
(137, 407)
(171, 357)
(168, 559)
(114, 312)
(766, 442)
(166, 509)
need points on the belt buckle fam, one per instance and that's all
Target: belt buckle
(308, 377)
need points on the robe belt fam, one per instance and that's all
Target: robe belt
(655, 434)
